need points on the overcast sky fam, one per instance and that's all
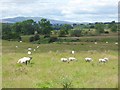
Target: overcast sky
(67, 10)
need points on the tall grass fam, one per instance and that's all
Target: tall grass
(47, 71)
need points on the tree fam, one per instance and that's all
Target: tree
(62, 33)
(99, 28)
(45, 26)
(17, 27)
(76, 33)
(66, 28)
(113, 26)
(28, 27)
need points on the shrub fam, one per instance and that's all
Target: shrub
(36, 37)
(76, 33)
(53, 39)
(62, 33)
(31, 39)
(47, 36)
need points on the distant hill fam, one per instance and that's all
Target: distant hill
(20, 19)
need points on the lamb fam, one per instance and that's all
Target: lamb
(88, 59)
(24, 60)
(71, 59)
(64, 59)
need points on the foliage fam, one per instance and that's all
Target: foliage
(113, 26)
(62, 33)
(99, 28)
(53, 39)
(45, 26)
(76, 33)
(66, 28)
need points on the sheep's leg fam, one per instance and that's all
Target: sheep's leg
(26, 62)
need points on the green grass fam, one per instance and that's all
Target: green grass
(47, 71)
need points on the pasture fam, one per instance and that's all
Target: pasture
(47, 71)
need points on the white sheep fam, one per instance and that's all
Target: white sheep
(29, 48)
(88, 59)
(95, 42)
(64, 59)
(72, 59)
(37, 46)
(24, 60)
(34, 50)
(102, 60)
(20, 41)
(16, 46)
(106, 42)
(29, 53)
(73, 52)
(106, 59)
(116, 43)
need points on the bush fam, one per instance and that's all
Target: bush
(53, 39)
(36, 37)
(47, 36)
(106, 32)
(76, 33)
(31, 39)
(62, 33)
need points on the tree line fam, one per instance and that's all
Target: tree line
(44, 27)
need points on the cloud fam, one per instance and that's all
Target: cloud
(69, 10)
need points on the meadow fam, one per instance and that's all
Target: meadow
(47, 71)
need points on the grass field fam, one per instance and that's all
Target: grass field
(47, 71)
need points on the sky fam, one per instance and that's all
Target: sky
(64, 10)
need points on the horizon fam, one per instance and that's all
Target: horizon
(63, 10)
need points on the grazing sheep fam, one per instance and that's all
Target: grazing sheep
(88, 59)
(64, 59)
(24, 60)
(34, 50)
(106, 59)
(29, 48)
(16, 46)
(106, 42)
(95, 42)
(102, 60)
(73, 52)
(20, 41)
(72, 59)
(116, 43)
(37, 46)
(29, 53)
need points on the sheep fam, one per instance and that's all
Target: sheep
(34, 50)
(29, 48)
(64, 59)
(73, 52)
(116, 43)
(71, 59)
(88, 59)
(37, 46)
(106, 42)
(29, 53)
(20, 41)
(95, 42)
(16, 46)
(24, 60)
(102, 60)
(106, 59)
